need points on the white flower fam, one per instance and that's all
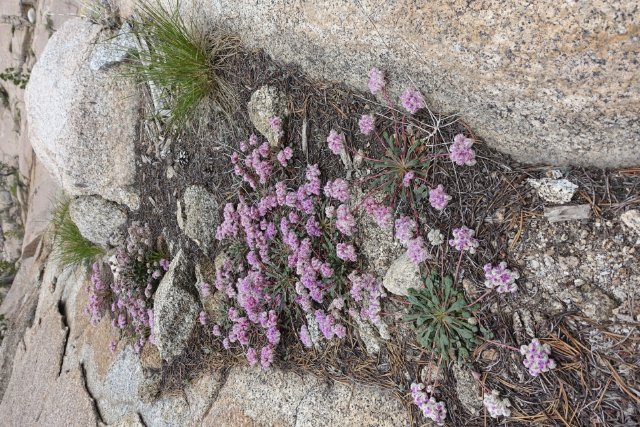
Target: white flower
(435, 237)
(495, 406)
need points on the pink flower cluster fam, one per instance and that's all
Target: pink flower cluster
(461, 152)
(276, 125)
(256, 163)
(438, 199)
(284, 156)
(335, 141)
(367, 291)
(337, 189)
(412, 100)
(430, 408)
(380, 213)
(495, 406)
(376, 81)
(500, 278)
(284, 237)
(366, 124)
(463, 240)
(537, 357)
(129, 295)
(405, 233)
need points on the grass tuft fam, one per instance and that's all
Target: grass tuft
(184, 62)
(72, 247)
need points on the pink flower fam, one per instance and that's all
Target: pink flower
(406, 180)
(376, 80)
(537, 357)
(501, 278)
(463, 240)
(252, 356)
(366, 124)
(337, 189)
(285, 155)
(346, 252)
(335, 141)
(412, 100)
(202, 318)
(344, 220)
(305, 338)
(438, 198)
(430, 408)
(112, 346)
(461, 152)
(416, 251)
(381, 214)
(405, 227)
(276, 125)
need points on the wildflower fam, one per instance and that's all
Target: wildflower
(337, 189)
(438, 198)
(202, 318)
(501, 278)
(412, 100)
(335, 141)
(164, 263)
(305, 338)
(435, 237)
(496, 406)
(346, 252)
(408, 177)
(376, 80)
(216, 331)
(312, 227)
(252, 356)
(463, 240)
(416, 251)
(205, 289)
(284, 156)
(381, 214)
(366, 124)
(537, 357)
(430, 408)
(344, 220)
(276, 125)
(330, 211)
(461, 152)
(405, 227)
(112, 346)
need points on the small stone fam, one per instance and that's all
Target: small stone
(265, 103)
(368, 336)
(199, 218)
(403, 275)
(489, 355)
(567, 213)
(467, 389)
(631, 219)
(175, 308)
(431, 373)
(558, 191)
(31, 15)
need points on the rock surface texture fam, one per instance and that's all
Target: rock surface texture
(83, 123)
(199, 216)
(98, 220)
(551, 81)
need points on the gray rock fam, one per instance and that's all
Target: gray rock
(631, 219)
(467, 389)
(82, 123)
(175, 308)
(537, 82)
(265, 103)
(113, 50)
(557, 191)
(198, 216)
(100, 221)
(402, 276)
(6, 201)
(368, 336)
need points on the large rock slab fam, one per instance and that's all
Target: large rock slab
(549, 81)
(83, 123)
(199, 216)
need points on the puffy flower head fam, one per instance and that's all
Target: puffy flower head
(463, 240)
(435, 237)
(461, 152)
(438, 199)
(335, 141)
(412, 100)
(537, 357)
(376, 80)
(497, 407)
(405, 227)
(284, 156)
(346, 252)
(408, 177)
(366, 124)
(500, 278)
(430, 408)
